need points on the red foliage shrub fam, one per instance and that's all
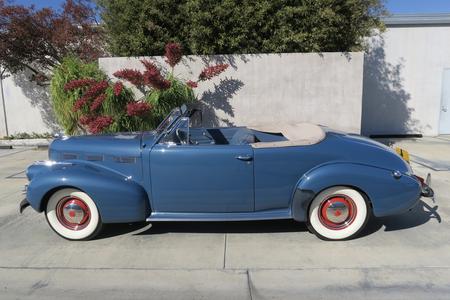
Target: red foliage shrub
(192, 84)
(98, 102)
(80, 103)
(85, 120)
(149, 65)
(153, 77)
(173, 54)
(96, 89)
(133, 76)
(131, 113)
(78, 83)
(210, 72)
(118, 87)
(98, 124)
(137, 108)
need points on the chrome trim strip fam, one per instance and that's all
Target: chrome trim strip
(278, 214)
(50, 163)
(124, 159)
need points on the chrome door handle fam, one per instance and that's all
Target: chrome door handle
(244, 157)
(444, 108)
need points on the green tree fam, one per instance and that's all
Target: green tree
(142, 27)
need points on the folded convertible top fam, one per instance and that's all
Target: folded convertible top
(299, 134)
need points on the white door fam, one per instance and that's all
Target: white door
(444, 120)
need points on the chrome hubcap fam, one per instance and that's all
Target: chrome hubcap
(337, 212)
(73, 213)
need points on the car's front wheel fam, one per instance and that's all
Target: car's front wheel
(338, 213)
(73, 215)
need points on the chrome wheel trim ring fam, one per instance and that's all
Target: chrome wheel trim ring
(73, 213)
(337, 212)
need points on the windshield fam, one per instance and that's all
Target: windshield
(165, 124)
(170, 119)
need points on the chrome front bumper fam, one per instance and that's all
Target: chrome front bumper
(23, 204)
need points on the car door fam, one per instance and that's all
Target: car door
(202, 178)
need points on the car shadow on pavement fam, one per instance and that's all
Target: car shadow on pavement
(271, 226)
(419, 215)
(113, 230)
(143, 228)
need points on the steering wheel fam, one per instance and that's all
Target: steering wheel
(178, 133)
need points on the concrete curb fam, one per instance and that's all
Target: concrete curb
(37, 143)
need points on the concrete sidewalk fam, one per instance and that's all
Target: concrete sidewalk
(42, 143)
(402, 257)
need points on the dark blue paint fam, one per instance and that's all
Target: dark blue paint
(389, 196)
(118, 198)
(198, 178)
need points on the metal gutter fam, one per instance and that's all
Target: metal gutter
(438, 19)
(3, 101)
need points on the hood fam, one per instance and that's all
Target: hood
(92, 147)
(120, 152)
(107, 146)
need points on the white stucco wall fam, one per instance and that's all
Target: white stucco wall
(272, 88)
(403, 80)
(28, 107)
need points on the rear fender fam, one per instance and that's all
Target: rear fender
(387, 194)
(118, 198)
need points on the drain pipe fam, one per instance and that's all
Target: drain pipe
(3, 101)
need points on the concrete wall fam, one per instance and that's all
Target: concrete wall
(403, 80)
(28, 107)
(273, 88)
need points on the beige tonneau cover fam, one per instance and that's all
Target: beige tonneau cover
(299, 134)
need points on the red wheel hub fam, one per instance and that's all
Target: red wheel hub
(337, 212)
(73, 213)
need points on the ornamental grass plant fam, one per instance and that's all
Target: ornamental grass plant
(86, 101)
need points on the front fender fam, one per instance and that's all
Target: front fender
(388, 195)
(118, 198)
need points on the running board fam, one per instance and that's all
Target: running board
(207, 217)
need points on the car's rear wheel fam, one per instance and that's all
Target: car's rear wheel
(338, 213)
(73, 215)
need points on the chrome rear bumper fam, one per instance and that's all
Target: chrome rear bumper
(427, 191)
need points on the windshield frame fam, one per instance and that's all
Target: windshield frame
(170, 120)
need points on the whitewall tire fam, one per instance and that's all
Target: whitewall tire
(338, 213)
(73, 215)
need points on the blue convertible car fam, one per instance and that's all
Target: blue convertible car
(330, 180)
